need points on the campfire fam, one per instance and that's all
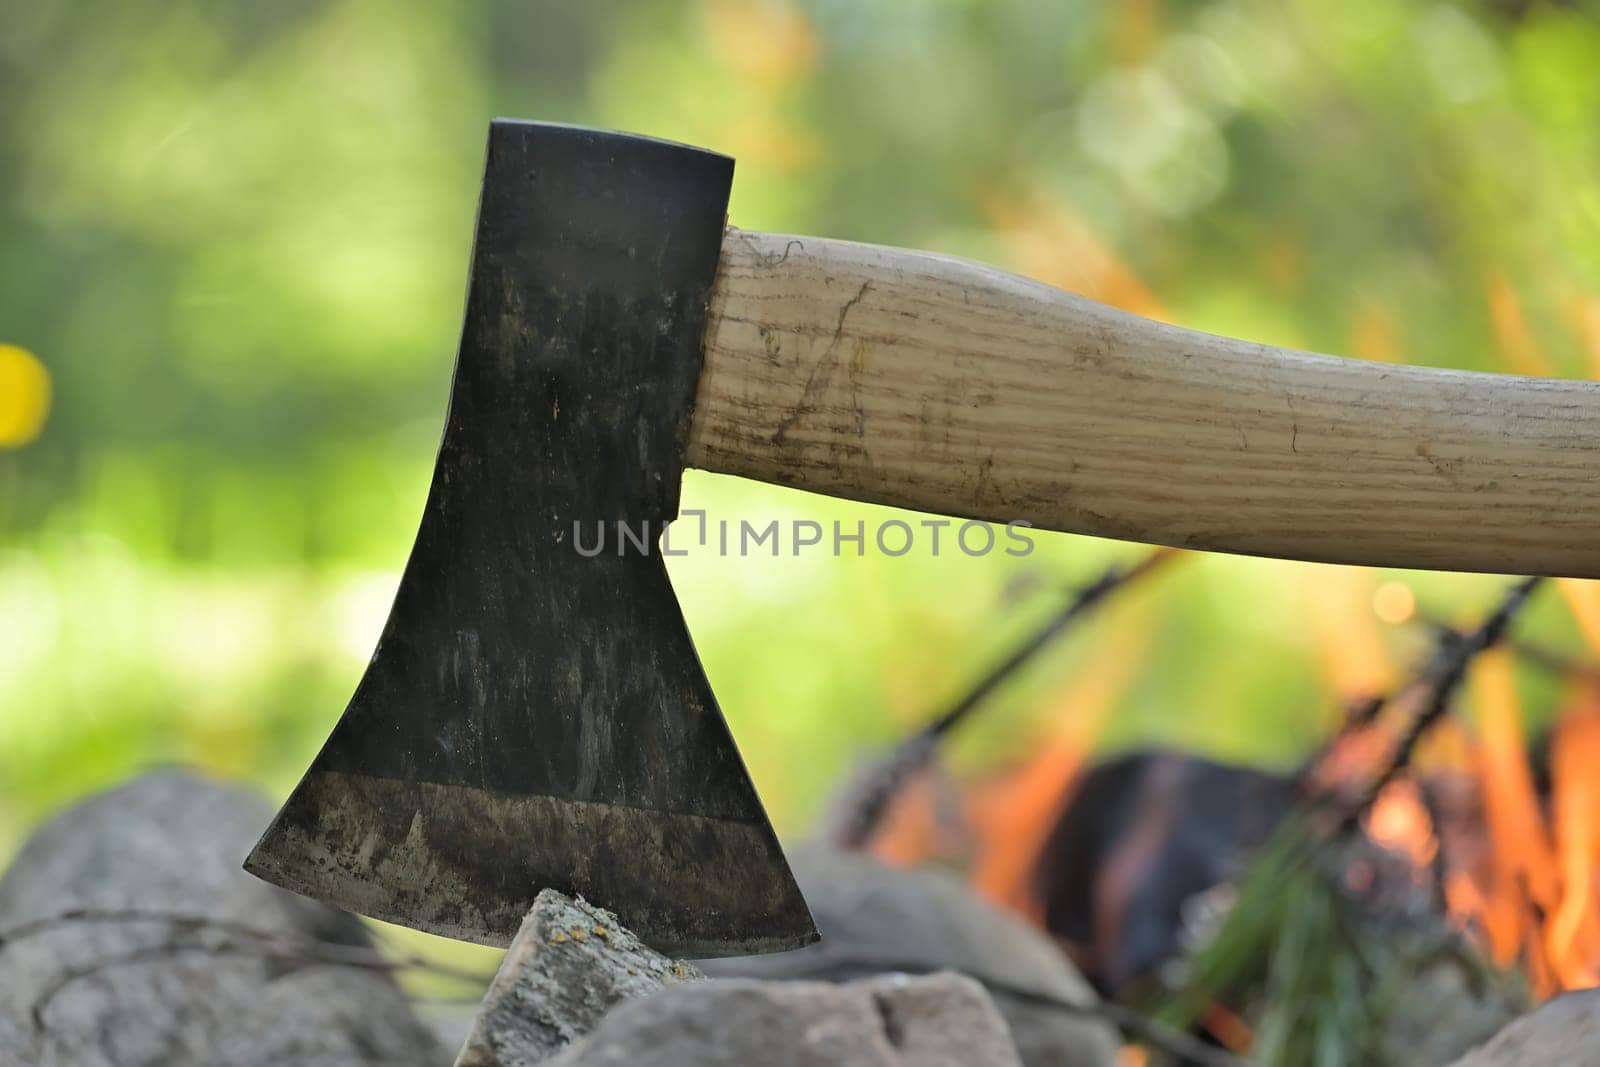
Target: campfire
(1464, 814)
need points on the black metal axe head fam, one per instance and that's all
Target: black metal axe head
(534, 717)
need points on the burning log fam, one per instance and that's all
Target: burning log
(1423, 824)
(1144, 835)
(1468, 858)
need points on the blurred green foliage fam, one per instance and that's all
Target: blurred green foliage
(236, 235)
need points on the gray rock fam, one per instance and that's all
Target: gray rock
(1564, 1031)
(876, 919)
(137, 992)
(1448, 1007)
(945, 1018)
(569, 964)
(452, 1026)
(942, 1020)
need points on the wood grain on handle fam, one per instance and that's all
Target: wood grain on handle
(932, 383)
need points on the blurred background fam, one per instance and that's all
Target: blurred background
(233, 244)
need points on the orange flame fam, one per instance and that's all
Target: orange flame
(1524, 881)
(1374, 335)
(1583, 315)
(772, 45)
(1573, 933)
(1399, 820)
(1523, 870)
(1518, 875)
(1011, 815)
(1007, 816)
(1512, 335)
(1133, 1056)
(913, 828)
(1583, 600)
(1049, 242)
(1228, 1027)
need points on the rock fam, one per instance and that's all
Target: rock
(945, 1018)
(137, 992)
(568, 965)
(942, 1020)
(876, 919)
(452, 1026)
(1447, 1008)
(1564, 1031)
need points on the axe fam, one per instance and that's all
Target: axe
(536, 716)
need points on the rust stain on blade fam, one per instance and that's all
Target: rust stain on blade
(412, 853)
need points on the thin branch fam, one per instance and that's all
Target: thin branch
(881, 783)
(280, 952)
(1444, 683)
(1532, 653)
(75, 916)
(1437, 682)
(1141, 1028)
(165, 950)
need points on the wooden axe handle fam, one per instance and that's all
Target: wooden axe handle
(932, 383)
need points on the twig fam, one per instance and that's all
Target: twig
(880, 783)
(73, 916)
(1446, 679)
(166, 949)
(1532, 653)
(1438, 864)
(1364, 711)
(48, 995)
(1438, 679)
(1140, 1027)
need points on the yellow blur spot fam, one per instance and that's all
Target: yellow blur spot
(1394, 602)
(1374, 336)
(771, 45)
(24, 396)
(1583, 599)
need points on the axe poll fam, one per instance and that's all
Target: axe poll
(533, 716)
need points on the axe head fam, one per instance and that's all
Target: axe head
(534, 717)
